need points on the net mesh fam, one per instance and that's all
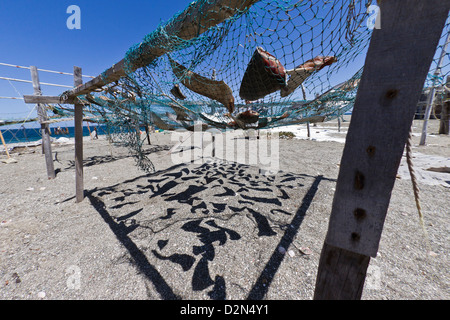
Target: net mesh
(274, 63)
(255, 59)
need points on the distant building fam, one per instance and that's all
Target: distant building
(437, 105)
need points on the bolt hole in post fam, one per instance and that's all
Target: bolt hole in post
(356, 236)
(391, 94)
(359, 181)
(371, 151)
(359, 214)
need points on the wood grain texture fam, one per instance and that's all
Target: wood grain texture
(46, 99)
(342, 274)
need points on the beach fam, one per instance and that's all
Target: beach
(210, 229)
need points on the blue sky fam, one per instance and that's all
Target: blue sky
(35, 33)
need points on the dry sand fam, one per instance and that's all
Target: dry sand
(218, 230)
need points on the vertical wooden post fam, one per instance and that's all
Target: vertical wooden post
(307, 123)
(89, 129)
(397, 62)
(147, 131)
(339, 121)
(213, 152)
(432, 94)
(45, 130)
(4, 144)
(79, 174)
(444, 123)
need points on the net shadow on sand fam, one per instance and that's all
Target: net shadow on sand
(103, 159)
(209, 215)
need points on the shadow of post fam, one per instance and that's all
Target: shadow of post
(139, 258)
(263, 282)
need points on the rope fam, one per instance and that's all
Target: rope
(415, 186)
(12, 98)
(43, 70)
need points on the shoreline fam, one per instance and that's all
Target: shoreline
(434, 156)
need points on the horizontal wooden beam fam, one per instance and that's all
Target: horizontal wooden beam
(48, 99)
(197, 18)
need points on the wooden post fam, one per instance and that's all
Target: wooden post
(4, 144)
(432, 94)
(444, 123)
(147, 131)
(339, 121)
(79, 174)
(397, 63)
(213, 151)
(45, 130)
(89, 129)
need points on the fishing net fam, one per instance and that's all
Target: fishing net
(270, 63)
(254, 70)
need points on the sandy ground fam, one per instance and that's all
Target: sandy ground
(211, 229)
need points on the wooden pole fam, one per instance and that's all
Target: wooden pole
(89, 129)
(45, 130)
(397, 63)
(444, 123)
(213, 151)
(79, 174)
(147, 131)
(432, 93)
(197, 18)
(4, 144)
(339, 121)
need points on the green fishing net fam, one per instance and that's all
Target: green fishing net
(270, 63)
